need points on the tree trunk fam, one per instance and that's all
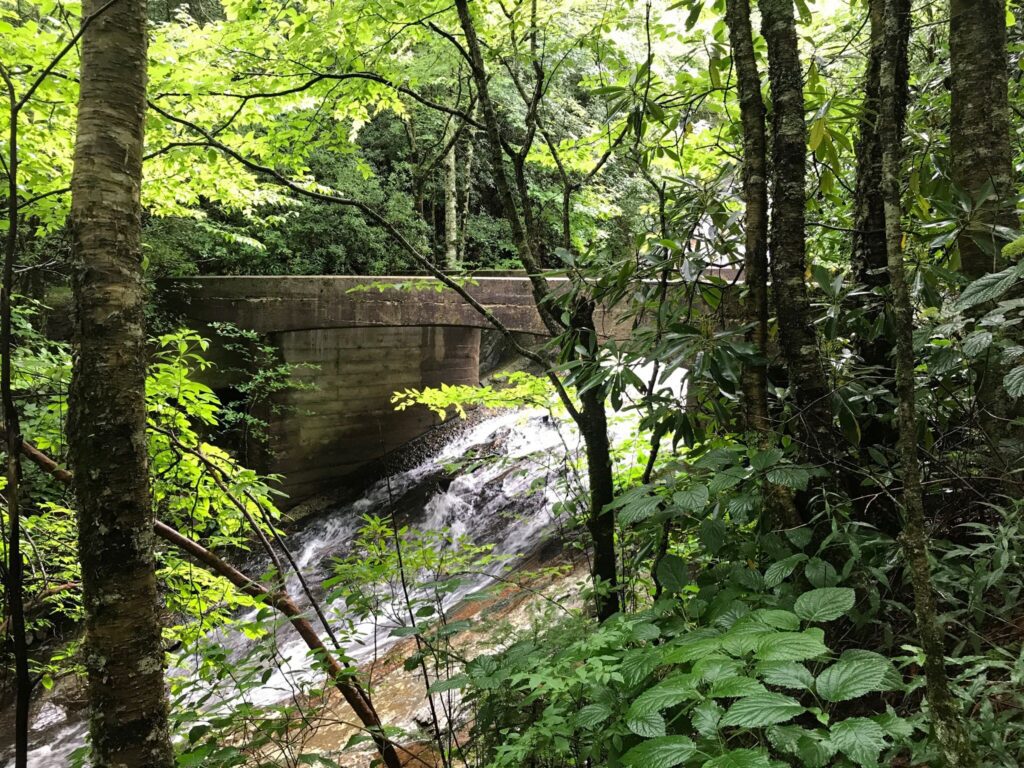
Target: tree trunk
(755, 191)
(591, 418)
(124, 655)
(982, 164)
(451, 201)
(956, 749)
(798, 340)
(979, 138)
(466, 193)
(868, 248)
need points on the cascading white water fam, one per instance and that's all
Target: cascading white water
(498, 502)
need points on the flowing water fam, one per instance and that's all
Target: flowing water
(505, 501)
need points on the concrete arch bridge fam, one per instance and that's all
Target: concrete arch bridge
(362, 342)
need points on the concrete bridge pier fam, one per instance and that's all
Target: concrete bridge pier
(341, 418)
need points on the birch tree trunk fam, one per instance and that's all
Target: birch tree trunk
(124, 656)
(945, 717)
(451, 201)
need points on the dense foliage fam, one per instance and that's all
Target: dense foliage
(798, 496)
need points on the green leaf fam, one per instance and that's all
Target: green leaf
(705, 717)
(977, 343)
(785, 674)
(692, 499)
(761, 710)
(849, 678)
(449, 684)
(1014, 382)
(790, 646)
(649, 724)
(739, 758)
(593, 715)
(780, 571)
(665, 694)
(859, 739)
(736, 687)
(662, 752)
(988, 287)
(712, 535)
(673, 574)
(820, 573)
(789, 476)
(825, 604)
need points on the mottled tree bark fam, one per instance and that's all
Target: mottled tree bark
(798, 340)
(755, 191)
(124, 655)
(451, 201)
(868, 249)
(982, 164)
(945, 717)
(980, 151)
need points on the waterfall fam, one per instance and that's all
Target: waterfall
(505, 500)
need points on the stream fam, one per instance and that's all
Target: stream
(505, 501)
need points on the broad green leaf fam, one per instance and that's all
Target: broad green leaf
(977, 343)
(692, 499)
(825, 604)
(761, 710)
(789, 476)
(649, 724)
(673, 574)
(1014, 382)
(785, 674)
(780, 571)
(859, 739)
(739, 758)
(790, 646)
(593, 715)
(662, 752)
(736, 687)
(849, 678)
(705, 717)
(665, 694)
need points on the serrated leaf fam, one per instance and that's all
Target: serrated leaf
(593, 715)
(705, 717)
(649, 724)
(1014, 382)
(739, 758)
(789, 476)
(786, 674)
(790, 646)
(692, 499)
(859, 739)
(673, 574)
(780, 571)
(762, 460)
(779, 619)
(761, 710)
(736, 687)
(638, 664)
(667, 693)
(825, 604)
(449, 684)
(977, 343)
(820, 573)
(644, 631)
(988, 287)
(849, 678)
(663, 752)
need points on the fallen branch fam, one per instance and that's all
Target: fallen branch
(350, 689)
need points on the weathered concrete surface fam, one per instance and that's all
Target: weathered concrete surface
(345, 419)
(299, 303)
(366, 343)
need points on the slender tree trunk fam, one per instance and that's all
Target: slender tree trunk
(124, 656)
(15, 567)
(755, 191)
(466, 193)
(787, 243)
(982, 163)
(451, 201)
(868, 248)
(342, 677)
(591, 418)
(956, 749)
